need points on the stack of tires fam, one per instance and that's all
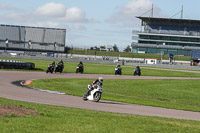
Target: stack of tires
(17, 65)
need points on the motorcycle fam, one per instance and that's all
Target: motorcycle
(118, 71)
(50, 68)
(137, 72)
(79, 69)
(93, 95)
(59, 68)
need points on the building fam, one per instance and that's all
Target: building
(153, 61)
(195, 58)
(167, 36)
(34, 39)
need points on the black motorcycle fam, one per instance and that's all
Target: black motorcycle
(59, 68)
(79, 69)
(50, 68)
(118, 71)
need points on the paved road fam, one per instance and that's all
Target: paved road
(10, 91)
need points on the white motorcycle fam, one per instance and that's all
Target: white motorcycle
(93, 95)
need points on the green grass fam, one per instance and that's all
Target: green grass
(55, 119)
(95, 68)
(176, 94)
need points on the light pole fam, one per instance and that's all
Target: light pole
(29, 44)
(161, 53)
(6, 44)
(54, 48)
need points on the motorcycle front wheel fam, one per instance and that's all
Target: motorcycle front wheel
(85, 97)
(97, 96)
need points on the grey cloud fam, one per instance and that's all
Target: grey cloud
(5, 7)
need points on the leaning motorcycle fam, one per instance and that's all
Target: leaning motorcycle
(50, 68)
(118, 71)
(93, 95)
(59, 68)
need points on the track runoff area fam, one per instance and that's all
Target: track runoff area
(11, 91)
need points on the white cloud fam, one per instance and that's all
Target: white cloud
(135, 7)
(50, 10)
(127, 13)
(60, 12)
(74, 14)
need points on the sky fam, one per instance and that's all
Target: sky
(93, 22)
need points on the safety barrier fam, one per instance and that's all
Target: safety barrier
(10, 64)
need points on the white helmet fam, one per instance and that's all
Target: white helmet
(101, 79)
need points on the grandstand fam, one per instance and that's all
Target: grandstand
(167, 36)
(34, 39)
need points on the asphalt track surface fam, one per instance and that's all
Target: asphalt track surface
(11, 91)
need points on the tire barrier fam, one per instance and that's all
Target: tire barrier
(10, 64)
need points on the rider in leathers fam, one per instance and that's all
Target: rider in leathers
(95, 84)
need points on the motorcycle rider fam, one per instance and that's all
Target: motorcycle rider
(118, 70)
(118, 66)
(137, 71)
(53, 64)
(50, 68)
(138, 67)
(80, 65)
(59, 66)
(61, 63)
(95, 84)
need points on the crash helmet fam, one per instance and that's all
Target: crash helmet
(101, 79)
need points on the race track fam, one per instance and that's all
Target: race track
(10, 91)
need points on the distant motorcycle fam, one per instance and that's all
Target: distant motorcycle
(94, 95)
(79, 69)
(50, 68)
(118, 71)
(137, 72)
(59, 68)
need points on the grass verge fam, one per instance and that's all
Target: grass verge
(70, 67)
(54, 119)
(176, 94)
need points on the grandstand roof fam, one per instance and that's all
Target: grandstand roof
(170, 21)
(31, 27)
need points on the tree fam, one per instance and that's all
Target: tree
(127, 49)
(115, 48)
(103, 47)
